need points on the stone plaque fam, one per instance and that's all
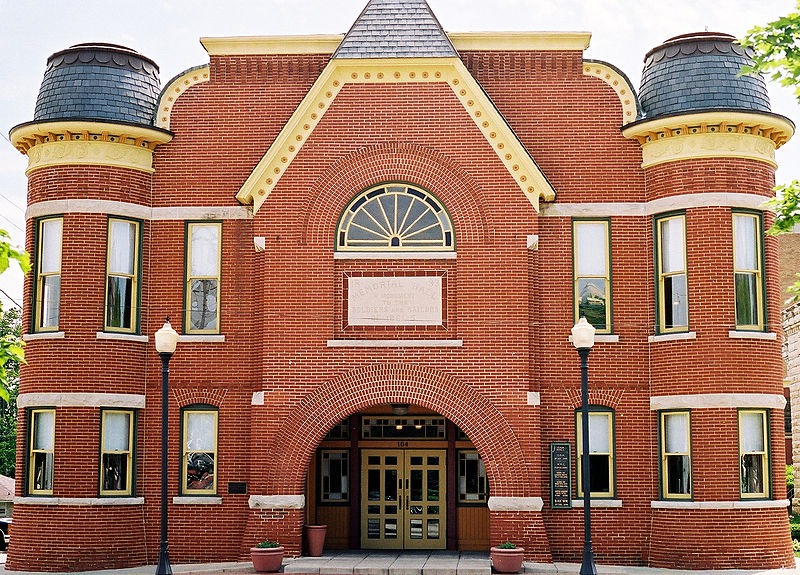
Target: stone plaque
(407, 300)
(560, 476)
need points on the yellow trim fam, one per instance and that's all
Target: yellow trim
(711, 134)
(665, 454)
(339, 72)
(662, 296)
(31, 451)
(577, 277)
(128, 453)
(757, 227)
(608, 414)
(90, 153)
(190, 277)
(327, 43)
(185, 452)
(176, 88)
(765, 467)
(42, 276)
(134, 277)
(619, 84)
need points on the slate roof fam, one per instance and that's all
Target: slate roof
(699, 71)
(101, 82)
(396, 29)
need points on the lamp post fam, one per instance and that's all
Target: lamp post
(583, 339)
(166, 340)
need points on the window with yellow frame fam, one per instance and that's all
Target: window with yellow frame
(116, 452)
(747, 274)
(673, 300)
(48, 273)
(676, 455)
(122, 276)
(199, 453)
(203, 262)
(40, 456)
(592, 272)
(753, 454)
(601, 452)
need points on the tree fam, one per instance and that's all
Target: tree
(11, 352)
(10, 325)
(776, 47)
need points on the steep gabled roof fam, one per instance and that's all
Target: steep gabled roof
(396, 29)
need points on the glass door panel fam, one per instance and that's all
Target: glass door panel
(425, 499)
(381, 509)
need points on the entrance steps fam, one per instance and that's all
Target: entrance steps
(392, 563)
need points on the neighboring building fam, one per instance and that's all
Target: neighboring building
(6, 496)
(374, 247)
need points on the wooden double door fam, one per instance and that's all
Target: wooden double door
(403, 499)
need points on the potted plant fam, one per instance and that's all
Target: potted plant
(507, 558)
(267, 556)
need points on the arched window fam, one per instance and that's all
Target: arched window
(395, 217)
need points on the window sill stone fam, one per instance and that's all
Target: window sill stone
(743, 334)
(122, 336)
(603, 338)
(43, 335)
(395, 342)
(672, 336)
(605, 503)
(79, 501)
(755, 504)
(201, 500)
(394, 255)
(201, 338)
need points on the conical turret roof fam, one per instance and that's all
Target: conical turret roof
(396, 29)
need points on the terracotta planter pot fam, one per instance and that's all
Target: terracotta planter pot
(507, 560)
(315, 539)
(266, 559)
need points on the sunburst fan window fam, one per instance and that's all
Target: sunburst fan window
(395, 217)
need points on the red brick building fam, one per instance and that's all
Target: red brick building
(374, 247)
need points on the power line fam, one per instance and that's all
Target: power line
(12, 223)
(12, 202)
(11, 299)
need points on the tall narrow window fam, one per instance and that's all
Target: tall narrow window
(753, 460)
(202, 277)
(472, 485)
(335, 473)
(199, 470)
(48, 269)
(40, 458)
(676, 456)
(592, 273)
(122, 283)
(116, 457)
(673, 303)
(601, 453)
(747, 274)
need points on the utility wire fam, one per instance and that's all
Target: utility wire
(11, 299)
(12, 223)
(12, 202)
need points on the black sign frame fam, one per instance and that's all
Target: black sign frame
(560, 475)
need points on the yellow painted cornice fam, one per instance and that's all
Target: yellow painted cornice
(522, 41)
(327, 43)
(88, 142)
(339, 72)
(711, 134)
(618, 83)
(176, 87)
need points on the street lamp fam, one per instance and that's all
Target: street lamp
(583, 339)
(166, 340)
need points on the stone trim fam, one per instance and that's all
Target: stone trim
(277, 501)
(389, 255)
(763, 504)
(186, 500)
(212, 338)
(122, 336)
(534, 398)
(126, 400)
(643, 209)
(601, 503)
(43, 335)
(258, 398)
(740, 334)
(672, 336)
(137, 211)
(515, 503)
(718, 401)
(618, 82)
(395, 342)
(173, 91)
(79, 501)
(602, 338)
(533, 242)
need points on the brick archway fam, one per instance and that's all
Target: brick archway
(306, 425)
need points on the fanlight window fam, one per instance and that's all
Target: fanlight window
(395, 217)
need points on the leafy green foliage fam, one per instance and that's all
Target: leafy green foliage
(777, 50)
(10, 326)
(268, 544)
(789, 476)
(507, 545)
(11, 352)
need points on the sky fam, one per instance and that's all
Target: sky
(168, 32)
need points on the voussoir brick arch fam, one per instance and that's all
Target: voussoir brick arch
(396, 162)
(378, 384)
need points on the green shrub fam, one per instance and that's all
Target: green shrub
(790, 476)
(268, 544)
(507, 545)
